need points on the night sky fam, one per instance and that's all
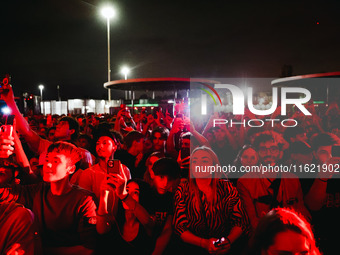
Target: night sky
(64, 42)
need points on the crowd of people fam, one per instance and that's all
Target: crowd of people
(60, 192)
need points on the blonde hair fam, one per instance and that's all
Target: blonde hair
(193, 188)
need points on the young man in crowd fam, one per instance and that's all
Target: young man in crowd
(262, 191)
(65, 214)
(106, 146)
(132, 156)
(164, 173)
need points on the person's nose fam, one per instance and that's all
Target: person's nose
(49, 164)
(165, 181)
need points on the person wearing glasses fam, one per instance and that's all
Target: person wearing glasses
(261, 191)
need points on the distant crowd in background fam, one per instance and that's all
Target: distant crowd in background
(125, 184)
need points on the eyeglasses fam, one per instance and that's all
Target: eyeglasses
(273, 149)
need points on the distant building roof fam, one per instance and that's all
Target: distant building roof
(157, 84)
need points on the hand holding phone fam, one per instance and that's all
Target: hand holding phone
(7, 137)
(113, 166)
(221, 242)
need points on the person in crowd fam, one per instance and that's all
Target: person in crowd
(153, 157)
(65, 214)
(172, 143)
(85, 141)
(262, 191)
(223, 144)
(295, 134)
(163, 177)
(66, 130)
(283, 231)
(208, 208)
(17, 226)
(152, 122)
(159, 136)
(300, 153)
(93, 177)
(50, 134)
(124, 120)
(17, 229)
(131, 222)
(322, 190)
(247, 156)
(132, 156)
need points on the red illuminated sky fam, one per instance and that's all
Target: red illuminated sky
(63, 42)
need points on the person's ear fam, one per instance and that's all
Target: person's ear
(72, 131)
(71, 169)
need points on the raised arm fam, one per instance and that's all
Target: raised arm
(32, 138)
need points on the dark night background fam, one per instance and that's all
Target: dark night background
(64, 42)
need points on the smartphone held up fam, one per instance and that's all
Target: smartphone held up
(113, 166)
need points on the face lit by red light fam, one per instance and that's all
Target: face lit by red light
(158, 142)
(133, 189)
(56, 167)
(105, 146)
(289, 243)
(63, 130)
(6, 175)
(249, 157)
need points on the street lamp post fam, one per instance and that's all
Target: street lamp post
(58, 87)
(125, 71)
(108, 12)
(41, 87)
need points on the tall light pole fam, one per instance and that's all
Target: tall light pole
(58, 87)
(41, 87)
(108, 12)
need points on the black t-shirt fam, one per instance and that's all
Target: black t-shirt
(160, 207)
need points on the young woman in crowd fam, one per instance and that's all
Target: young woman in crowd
(130, 226)
(208, 208)
(247, 156)
(127, 229)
